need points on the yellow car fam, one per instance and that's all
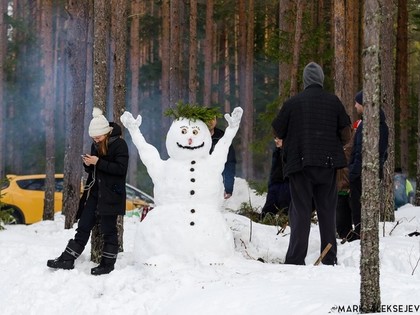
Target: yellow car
(25, 196)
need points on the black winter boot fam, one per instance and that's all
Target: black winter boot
(109, 257)
(67, 258)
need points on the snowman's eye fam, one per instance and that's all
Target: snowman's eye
(195, 132)
(184, 131)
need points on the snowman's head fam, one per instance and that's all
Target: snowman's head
(188, 139)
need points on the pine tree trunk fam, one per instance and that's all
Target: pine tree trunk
(208, 53)
(135, 77)
(370, 296)
(166, 62)
(401, 84)
(174, 57)
(296, 47)
(387, 101)
(248, 128)
(76, 54)
(351, 60)
(119, 34)
(193, 50)
(48, 96)
(102, 19)
(285, 32)
(417, 197)
(339, 49)
(241, 73)
(3, 52)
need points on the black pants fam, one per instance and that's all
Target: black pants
(344, 220)
(278, 198)
(356, 206)
(317, 184)
(88, 220)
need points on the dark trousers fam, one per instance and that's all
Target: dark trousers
(317, 184)
(356, 206)
(88, 220)
(344, 220)
(278, 199)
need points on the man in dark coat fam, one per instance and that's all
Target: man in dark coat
(355, 165)
(314, 127)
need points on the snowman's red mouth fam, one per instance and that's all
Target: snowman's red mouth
(189, 147)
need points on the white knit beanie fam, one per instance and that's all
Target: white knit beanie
(99, 125)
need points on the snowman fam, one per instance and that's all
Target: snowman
(186, 224)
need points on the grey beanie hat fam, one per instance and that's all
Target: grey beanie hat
(313, 74)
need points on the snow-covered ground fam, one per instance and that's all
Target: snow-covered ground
(240, 286)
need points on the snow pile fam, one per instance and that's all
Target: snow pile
(240, 286)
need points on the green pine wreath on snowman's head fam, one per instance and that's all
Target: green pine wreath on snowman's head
(193, 112)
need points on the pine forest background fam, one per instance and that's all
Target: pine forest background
(59, 58)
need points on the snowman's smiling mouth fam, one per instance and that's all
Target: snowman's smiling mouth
(189, 147)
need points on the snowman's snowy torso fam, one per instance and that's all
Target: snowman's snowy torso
(187, 223)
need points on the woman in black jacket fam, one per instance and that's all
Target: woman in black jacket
(104, 196)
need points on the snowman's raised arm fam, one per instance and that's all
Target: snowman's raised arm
(148, 153)
(222, 147)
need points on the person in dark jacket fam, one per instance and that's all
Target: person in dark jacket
(344, 221)
(278, 195)
(314, 127)
(230, 165)
(104, 196)
(355, 165)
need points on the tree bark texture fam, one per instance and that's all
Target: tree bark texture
(101, 76)
(119, 35)
(193, 50)
(285, 33)
(76, 54)
(401, 82)
(339, 49)
(387, 101)
(370, 296)
(3, 52)
(174, 56)
(48, 97)
(208, 53)
(134, 19)
(296, 47)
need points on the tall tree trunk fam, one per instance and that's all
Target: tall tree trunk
(285, 32)
(119, 35)
(241, 51)
(3, 52)
(417, 201)
(401, 81)
(192, 83)
(370, 296)
(166, 62)
(101, 20)
(296, 47)
(351, 60)
(135, 77)
(248, 129)
(387, 101)
(76, 54)
(48, 96)
(208, 53)
(174, 57)
(339, 49)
